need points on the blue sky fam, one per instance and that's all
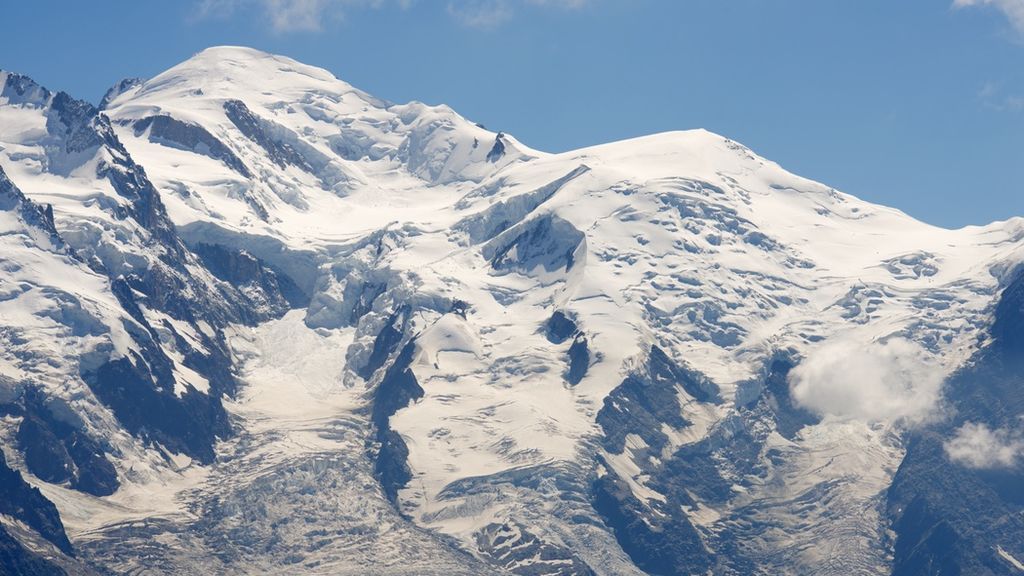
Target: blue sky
(917, 104)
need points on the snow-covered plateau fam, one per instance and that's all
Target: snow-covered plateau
(256, 321)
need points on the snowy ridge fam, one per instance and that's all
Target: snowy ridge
(631, 357)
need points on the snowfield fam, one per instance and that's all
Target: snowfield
(493, 359)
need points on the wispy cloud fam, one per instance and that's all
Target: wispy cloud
(1012, 9)
(287, 16)
(490, 13)
(481, 13)
(993, 96)
(880, 382)
(295, 15)
(978, 446)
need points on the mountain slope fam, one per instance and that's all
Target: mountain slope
(663, 355)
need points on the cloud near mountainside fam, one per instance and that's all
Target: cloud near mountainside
(890, 381)
(286, 16)
(979, 447)
(1012, 9)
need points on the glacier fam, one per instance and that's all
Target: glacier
(255, 320)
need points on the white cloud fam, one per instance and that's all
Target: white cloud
(1012, 9)
(481, 13)
(282, 15)
(570, 4)
(977, 446)
(993, 96)
(286, 16)
(890, 381)
(490, 13)
(296, 15)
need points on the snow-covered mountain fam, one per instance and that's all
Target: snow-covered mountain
(254, 320)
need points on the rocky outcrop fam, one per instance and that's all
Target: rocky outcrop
(23, 502)
(61, 452)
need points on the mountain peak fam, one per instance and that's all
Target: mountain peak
(121, 87)
(235, 72)
(246, 67)
(233, 51)
(229, 60)
(20, 89)
(439, 349)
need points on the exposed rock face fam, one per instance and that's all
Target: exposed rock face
(16, 559)
(58, 451)
(512, 547)
(27, 504)
(396, 390)
(270, 294)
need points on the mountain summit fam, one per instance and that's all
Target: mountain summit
(254, 320)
